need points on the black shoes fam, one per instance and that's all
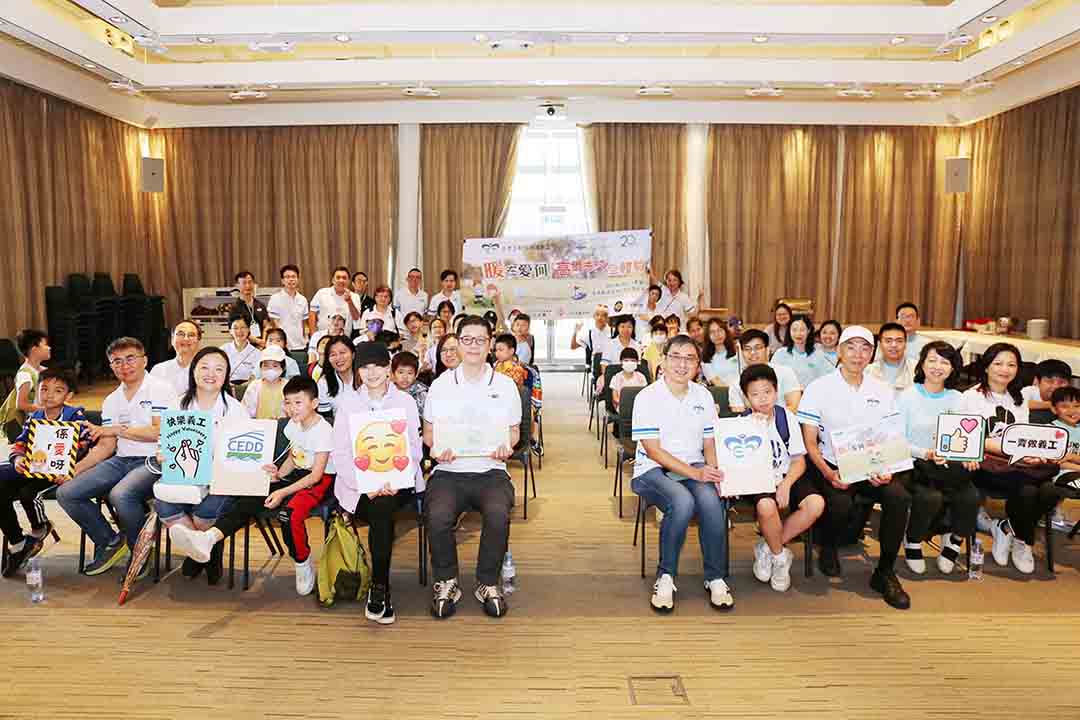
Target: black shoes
(16, 558)
(892, 592)
(829, 561)
(379, 608)
(214, 567)
(191, 569)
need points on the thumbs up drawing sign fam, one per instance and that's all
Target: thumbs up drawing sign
(956, 442)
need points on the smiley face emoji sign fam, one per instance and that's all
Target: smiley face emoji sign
(380, 446)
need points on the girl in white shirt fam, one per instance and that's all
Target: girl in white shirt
(828, 335)
(720, 360)
(777, 330)
(337, 378)
(435, 334)
(243, 356)
(1029, 496)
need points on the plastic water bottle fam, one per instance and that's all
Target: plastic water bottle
(509, 574)
(35, 581)
(975, 571)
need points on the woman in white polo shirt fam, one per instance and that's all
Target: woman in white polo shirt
(842, 399)
(675, 470)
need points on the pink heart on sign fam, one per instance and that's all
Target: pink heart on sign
(363, 463)
(1059, 435)
(401, 462)
(969, 424)
(398, 426)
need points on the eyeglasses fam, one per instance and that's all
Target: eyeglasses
(754, 349)
(468, 340)
(128, 360)
(186, 336)
(682, 359)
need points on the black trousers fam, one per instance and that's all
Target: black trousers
(15, 486)
(379, 514)
(449, 494)
(1026, 499)
(839, 503)
(934, 486)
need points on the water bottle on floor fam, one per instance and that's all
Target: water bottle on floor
(975, 571)
(35, 581)
(509, 574)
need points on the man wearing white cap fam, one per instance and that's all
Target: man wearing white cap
(842, 399)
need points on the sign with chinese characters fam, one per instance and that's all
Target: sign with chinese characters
(558, 277)
(52, 447)
(186, 451)
(1022, 440)
(879, 448)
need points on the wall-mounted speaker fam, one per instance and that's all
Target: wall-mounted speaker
(957, 174)
(152, 178)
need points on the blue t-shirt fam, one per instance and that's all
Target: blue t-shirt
(920, 409)
(807, 367)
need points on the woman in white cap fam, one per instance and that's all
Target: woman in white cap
(842, 399)
(264, 398)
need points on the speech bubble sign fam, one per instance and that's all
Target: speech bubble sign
(1022, 440)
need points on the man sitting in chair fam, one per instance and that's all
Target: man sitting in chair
(675, 469)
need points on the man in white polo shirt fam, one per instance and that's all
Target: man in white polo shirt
(337, 299)
(289, 309)
(470, 394)
(755, 351)
(413, 298)
(449, 293)
(130, 420)
(675, 470)
(842, 399)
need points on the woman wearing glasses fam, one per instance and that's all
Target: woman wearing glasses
(447, 354)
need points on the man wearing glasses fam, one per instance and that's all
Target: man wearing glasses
(755, 351)
(470, 395)
(130, 418)
(675, 470)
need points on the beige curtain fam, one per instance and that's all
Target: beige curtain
(638, 177)
(466, 175)
(899, 236)
(771, 213)
(1022, 219)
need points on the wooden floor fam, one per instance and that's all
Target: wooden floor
(578, 629)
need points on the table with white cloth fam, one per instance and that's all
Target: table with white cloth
(973, 344)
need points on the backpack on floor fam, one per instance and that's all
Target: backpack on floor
(343, 568)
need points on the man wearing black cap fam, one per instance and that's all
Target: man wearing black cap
(372, 365)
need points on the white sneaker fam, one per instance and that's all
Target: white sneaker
(984, 522)
(1022, 557)
(663, 594)
(1003, 539)
(1059, 521)
(950, 550)
(719, 594)
(781, 570)
(305, 577)
(914, 558)
(763, 561)
(191, 543)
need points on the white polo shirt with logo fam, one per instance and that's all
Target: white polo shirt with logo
(681, 425)
(326, 303)
(290, 314)
(832, 404)
(495, 398)
(153, 397)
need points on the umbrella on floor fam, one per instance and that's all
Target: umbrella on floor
(140, 553)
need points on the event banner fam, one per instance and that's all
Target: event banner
(557, 277)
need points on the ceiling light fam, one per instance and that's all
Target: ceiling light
(760, 39)
(977, 86)
(248, 94)
(124, 85)
(830, 84)
(205, 40)
(89, 66)
(654, 91)
(272, 46)
(856, 91)
(420, 91)
(898, 40)
(165, 88)
(144, 39)
(480, 37)
(272, 86)
(118, 19)
(384, 84)
(952, 42)
(622, 38)
(922, 93)
(1019, 62)
(342, 38)
(765, 90)
(989, 18)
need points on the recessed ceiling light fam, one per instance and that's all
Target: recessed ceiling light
(622, 38)
(765, 90)
(898, 40)
(830, 84)
(342, 37)
(480, 37)
(1018, 63)
(856, 91)
(654, 91)
(760, 39)
(989, 18)
(205, 40)
(118, 19)
(89, 66)
(384, 84)
(272, 86)
(166, 88)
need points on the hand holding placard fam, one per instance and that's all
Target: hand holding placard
(1045, 442)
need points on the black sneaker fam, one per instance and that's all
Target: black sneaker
(215, 567)
(16, 558)
(829, 561)
(108, 556)
(191, 569)
(886, 583)
(492, 598)
(379, 608)
(445, 596)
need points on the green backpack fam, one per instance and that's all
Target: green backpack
(11, 418)
(343, 569)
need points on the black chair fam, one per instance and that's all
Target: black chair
(523, 450)
(608, 416)
(10, 362)
(627, 447)
(421, 539)
(594, 397)
(586, 374)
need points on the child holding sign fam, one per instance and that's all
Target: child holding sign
(19, 480)
(1065, 402)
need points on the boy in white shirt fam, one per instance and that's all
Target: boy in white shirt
(298, 486)
(471, 393)
(772, 559)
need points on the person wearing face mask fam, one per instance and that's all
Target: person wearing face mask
(185, 341)
(629, 377)
(624, 338)
(264, 398)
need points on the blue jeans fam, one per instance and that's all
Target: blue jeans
(679, 500)
(126, 481)
(210, 509)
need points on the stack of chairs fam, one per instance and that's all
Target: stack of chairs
(71, 330)
(144, 318)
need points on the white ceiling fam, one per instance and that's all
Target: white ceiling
(592, 56)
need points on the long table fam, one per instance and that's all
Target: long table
(972, 344)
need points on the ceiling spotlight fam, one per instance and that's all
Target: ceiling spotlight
(420, 91)
(124, 85)
(952, 42)
(205, 40)
(248, 94)
(384, 84)
(118, 19)
(760, 39)
(830, 84)
(856, 91)
(1018, 62)
(272, 86)
(977, 86)
(165, 88)
(923, 93)
(342, 38)
(622, 39)
(89, 66)
(989, 18)
(765, 90)
(480, 37)
(654, 91)
(898, 40)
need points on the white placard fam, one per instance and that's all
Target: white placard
(241, 448)
(382, 450)
(744, 455)
(472, 437)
